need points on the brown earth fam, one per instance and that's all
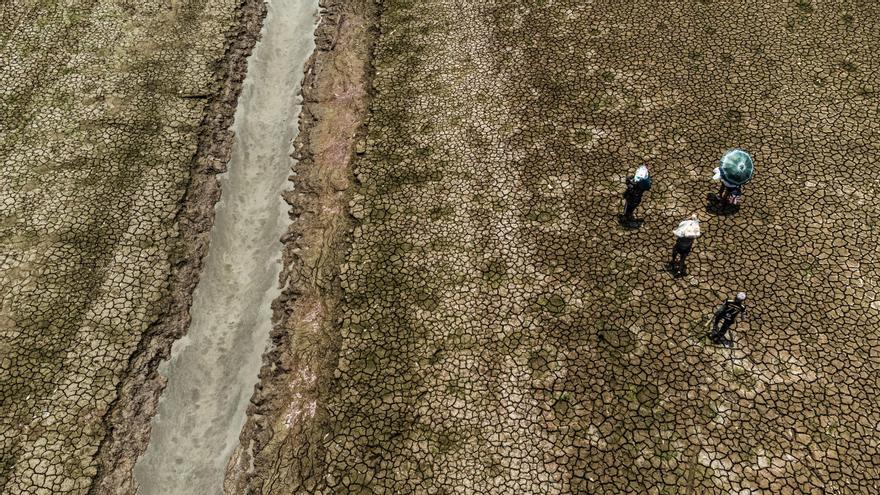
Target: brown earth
(116, 119)
(479, 323)
(498, 332)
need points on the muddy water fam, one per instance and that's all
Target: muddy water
(212, 371)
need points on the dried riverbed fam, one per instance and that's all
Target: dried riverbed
(479, 323)
(213, 369)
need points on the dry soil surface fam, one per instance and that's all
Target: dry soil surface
(114, 122)
(500, 333)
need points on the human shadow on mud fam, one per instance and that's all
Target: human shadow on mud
(672, 270)
(633, 224)
(716, 206)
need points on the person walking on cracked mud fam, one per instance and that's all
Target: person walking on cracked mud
(685, 233)
(725, 317)
(636, 185)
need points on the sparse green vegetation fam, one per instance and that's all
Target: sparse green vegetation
(805, 6)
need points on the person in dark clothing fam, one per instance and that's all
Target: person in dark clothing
(725, 317)
(636, 186)
(680, 252)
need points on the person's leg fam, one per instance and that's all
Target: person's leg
(628, 209)
(682, 269)
(635, 205)
(719, 330)
(713, 335)
(722, 333)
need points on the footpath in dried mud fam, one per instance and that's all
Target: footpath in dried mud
(499, 333)
(115, 119)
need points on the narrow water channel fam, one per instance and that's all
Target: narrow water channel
(212, 371)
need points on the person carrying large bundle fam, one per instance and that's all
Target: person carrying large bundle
(685, 233)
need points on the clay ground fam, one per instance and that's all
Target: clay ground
(500, 333)
(113, 122)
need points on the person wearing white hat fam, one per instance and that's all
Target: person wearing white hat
(636, 186)
(725, 317)
(685, 233)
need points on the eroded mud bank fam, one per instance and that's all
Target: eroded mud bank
(115, 120)
(138, 394)
(281, 448)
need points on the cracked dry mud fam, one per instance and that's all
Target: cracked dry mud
(498, 333)
(501, 334)
(114, 122)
